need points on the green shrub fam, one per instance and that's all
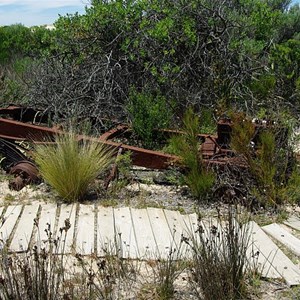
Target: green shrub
(69, 166)
(148, 113)
(207, 124)
(264, 165)
(291, 191)
(242, 133)
(269, 161)
(201, 182)
(197, 177)
(263, 86)
(261, 160)
(12, 90)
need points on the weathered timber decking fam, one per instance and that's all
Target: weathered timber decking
(148, 233)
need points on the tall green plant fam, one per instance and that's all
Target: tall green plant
(265, 159)
(291, 191)
(148, 114)
(268, 160)
(197, 177)
(69, 166)
(208, 124)
(242, 133)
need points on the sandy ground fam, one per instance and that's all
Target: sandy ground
(143, 195)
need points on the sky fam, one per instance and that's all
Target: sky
(40, 12)
(37, 12)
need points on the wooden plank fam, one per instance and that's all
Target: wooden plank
(179, 229)
(23, 233)
(162, 235)
(85, 232)
(191, 223)
(200, 231)
(284, 237)
(124, 232)
(66, 238)
(272, 262)
(143, 233)
(293, 222)
(175, 226)
(10, 218)
(46, 225)
(105, 230)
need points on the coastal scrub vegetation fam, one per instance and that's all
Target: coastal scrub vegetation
(157, 64)
(200, 53)
(146, 62)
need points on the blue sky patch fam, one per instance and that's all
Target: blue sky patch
(33, 12)
(41, 12)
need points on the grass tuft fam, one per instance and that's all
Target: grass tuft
(70, 166)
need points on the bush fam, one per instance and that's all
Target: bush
(264, 166)
(200, 182)
(148, 114)
(242, 134)
(69, 166)
(291, 191)
(197, 177)
(270, 161)
(208, 124)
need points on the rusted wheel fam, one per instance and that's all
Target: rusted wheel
(25, 172)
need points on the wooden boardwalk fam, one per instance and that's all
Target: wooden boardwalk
(136, 233)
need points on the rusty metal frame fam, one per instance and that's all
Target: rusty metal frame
(19, 124)
(15, 130)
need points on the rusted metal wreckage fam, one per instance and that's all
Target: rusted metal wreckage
(19, 125)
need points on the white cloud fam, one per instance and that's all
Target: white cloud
(44, 3)
(33, 12)
(6, 2)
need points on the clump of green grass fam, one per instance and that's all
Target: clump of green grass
(70, 166)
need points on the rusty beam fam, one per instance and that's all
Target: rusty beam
(10, 129)
(140, 156)
(112, 133)
(15, 130)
